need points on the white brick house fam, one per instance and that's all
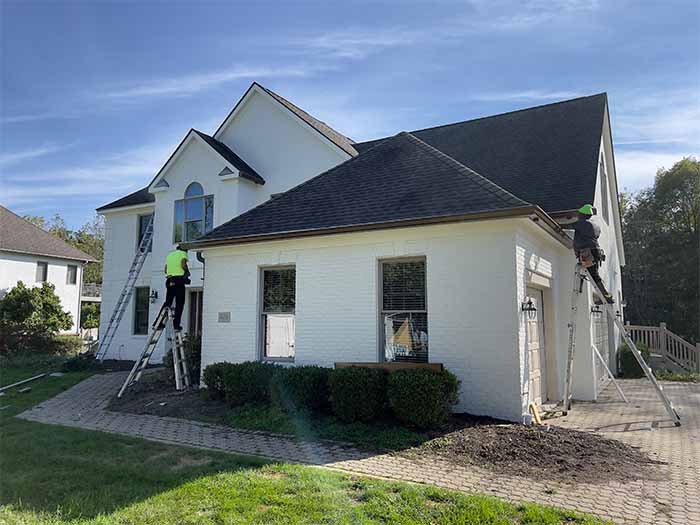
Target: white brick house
(33, 256)
(423, 246)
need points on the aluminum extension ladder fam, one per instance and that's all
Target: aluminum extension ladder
(163, 323)
(580, 276)
(128, 290)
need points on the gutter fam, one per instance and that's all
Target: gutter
(535, 213)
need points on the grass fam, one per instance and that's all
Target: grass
(378, 435)
(57, 475)
(685, 377)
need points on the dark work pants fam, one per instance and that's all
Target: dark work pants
(175, 291)
(593, 271)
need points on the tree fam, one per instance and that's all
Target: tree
(89, 238)
(661, 227)
(90, 315)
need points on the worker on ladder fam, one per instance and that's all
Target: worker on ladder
(177, 276)
(588, 251)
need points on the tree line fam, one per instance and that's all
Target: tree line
(661, 233)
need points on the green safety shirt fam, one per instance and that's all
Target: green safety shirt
(173, 263)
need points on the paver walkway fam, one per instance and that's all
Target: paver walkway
(673, 499)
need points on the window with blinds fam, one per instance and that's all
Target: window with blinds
(404, 314)
(278, 312)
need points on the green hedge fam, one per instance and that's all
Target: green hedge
(240, 383)
(301, 388)
(629, 367)
(422, 397)
(358, 394)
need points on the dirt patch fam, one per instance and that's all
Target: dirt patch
(543, 453)
(155, 394)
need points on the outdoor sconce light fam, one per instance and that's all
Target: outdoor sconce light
(618, 314)
(529, 308)
(153, 296)
(596, 311)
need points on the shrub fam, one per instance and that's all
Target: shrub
(629, 368)
(240, 383)
(213, 378)
(357, 394)
(193, 355)
(422, 397)
(68, 344)
(30, 317)
(301, 388)
(668, 375)
(80, 363)
(90, 315)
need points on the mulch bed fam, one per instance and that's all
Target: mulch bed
(542, 453)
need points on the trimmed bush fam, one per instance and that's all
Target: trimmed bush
(422, 397)
(357, 394)
(248, 382)
(301, 388)
(214, 379)
(68, 344)
(629, 368)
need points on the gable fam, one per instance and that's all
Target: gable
(277, 142)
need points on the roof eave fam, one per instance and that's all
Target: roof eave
(86, 259)
(524, 211)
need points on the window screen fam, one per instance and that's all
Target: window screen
(404, 315)
(141, 303)
(278, 313)
(72, 274)
(42, 270)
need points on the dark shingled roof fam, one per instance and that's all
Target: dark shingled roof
(401, 179)
(547, 155)
(141, 196)
(21, 236)
(340, 140)
(222, 149)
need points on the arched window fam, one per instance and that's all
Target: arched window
(194, 215)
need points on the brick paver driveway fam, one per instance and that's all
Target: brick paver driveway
(672, 498)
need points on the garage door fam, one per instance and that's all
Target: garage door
(536, 348)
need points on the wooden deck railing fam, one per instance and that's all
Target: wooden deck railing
(662, 341)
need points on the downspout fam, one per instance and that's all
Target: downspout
(200, 258)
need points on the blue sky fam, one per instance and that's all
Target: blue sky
(96, 95)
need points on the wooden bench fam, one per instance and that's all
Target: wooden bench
(392, 367)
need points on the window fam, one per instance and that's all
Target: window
(194, 215)
(278, 307)
(72, 274)
(404, 314)
(141, 302)
(604, 190)
(143, 224)
(42, 271)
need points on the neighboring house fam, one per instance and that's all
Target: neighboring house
(33, 256)
(424, 246)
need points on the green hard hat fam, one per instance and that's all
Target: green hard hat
(586, 209)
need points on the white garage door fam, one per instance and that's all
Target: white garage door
(536, 348)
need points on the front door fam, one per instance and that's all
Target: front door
(195, 321)
(536, 348)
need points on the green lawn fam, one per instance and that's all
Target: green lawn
(52, 475)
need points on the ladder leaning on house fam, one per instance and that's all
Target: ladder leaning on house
(127, 291)
(580, 276)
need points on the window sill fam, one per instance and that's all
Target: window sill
(277, 360)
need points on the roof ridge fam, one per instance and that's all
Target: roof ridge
(486, 117)
(482, 181)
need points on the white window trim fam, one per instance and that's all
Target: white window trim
(184, 222)
(46, 272)
(261, 319)
(381, 338)
(68, 267)
(148, 317)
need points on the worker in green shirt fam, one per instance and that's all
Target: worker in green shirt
(177, 275)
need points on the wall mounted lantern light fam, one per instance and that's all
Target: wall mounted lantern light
(529, 308)
(153, 296)
(596, 311)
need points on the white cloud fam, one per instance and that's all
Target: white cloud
(7, 159)
(357, 43)
(525, 95)
(637, 169)
(189, 84)
(34, 117)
